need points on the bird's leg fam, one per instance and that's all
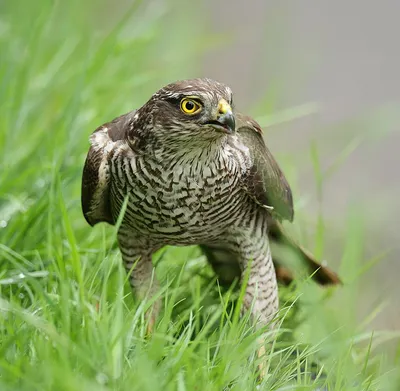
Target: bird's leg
(137, 260)
(261, 295)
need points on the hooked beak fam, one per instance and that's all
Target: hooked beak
(225, 120)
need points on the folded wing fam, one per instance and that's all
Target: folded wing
(96, 176)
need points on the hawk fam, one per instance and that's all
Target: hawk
(193, 171)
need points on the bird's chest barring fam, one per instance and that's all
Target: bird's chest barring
(182, 197)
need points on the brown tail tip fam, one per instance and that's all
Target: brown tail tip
(320, 273)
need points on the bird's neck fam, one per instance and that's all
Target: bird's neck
(190, 152)
(190, 147)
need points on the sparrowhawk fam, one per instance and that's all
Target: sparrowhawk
(194, 172)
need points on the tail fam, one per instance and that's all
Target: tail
(320, 274)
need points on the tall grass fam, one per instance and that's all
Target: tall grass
(68, 320)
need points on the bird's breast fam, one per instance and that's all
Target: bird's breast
(178, 198)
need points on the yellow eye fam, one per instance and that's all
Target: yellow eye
(190, 106)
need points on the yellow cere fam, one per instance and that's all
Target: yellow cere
(190, 106)
(224, 107)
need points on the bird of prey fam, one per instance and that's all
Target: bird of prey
(193, 171)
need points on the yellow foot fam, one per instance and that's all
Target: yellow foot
(261, 365)
(151, 322)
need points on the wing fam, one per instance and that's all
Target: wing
(268, 186)
(96, 176)
(265, 181)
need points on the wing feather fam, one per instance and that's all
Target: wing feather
(265, 181)
(268, 186)
(95, 198)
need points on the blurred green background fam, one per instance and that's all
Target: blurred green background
(321, 77)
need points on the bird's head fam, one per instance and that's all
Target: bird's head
(196, 110)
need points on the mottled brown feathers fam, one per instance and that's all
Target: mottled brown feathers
(265, 181)
(118, 127)
(129, 140)
(95, 178)
(94, 212)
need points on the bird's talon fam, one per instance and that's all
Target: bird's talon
(150, 326)
(261, 365)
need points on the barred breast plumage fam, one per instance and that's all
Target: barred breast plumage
(194, 172)
(183, 198)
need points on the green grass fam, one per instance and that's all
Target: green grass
(68, 320)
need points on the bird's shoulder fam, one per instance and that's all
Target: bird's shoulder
(265, 180)
(114, 131)
(244, 121)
